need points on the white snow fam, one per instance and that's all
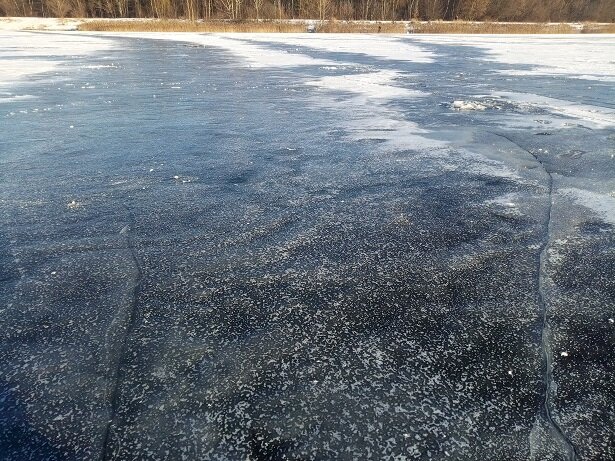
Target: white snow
(389, 128)
(602, 205)
(240, 45)
(582, 56)
(598, 117)
(382, 47)
(256, 51)
(373, 85)
(368, 114)
(15, 69)
(99, 66)
(468, 105)
(74, 204)
(30, 23)
(23, 54)
(258, 56)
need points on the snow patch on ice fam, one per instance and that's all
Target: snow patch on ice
(260, 56)
(588, 56)
(370, 117)
(74, 205)
(254, 49)
(601, 204)
(467, 105)
(16, 69)
(392, 132)
(372, 85)
(251, 54)
(24, 54)
(99, 66)
(598, 117)
(388, 48)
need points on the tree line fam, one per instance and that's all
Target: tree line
(383, 10)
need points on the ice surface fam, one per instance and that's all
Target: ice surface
(9, 97)
(294, 247)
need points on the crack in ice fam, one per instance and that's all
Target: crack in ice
(125, 317)
(545, 339)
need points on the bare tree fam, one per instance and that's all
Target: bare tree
(191, 9)
(367, 5)
(58, 8)
(257, 7)
(231, 8)
(323, 9)
(473, 10)
(506, 10)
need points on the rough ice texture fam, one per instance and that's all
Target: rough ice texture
(341, 270)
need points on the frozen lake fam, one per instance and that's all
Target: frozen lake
(275, 247)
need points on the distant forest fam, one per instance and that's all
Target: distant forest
(381, 10)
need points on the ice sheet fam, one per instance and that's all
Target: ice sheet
(323, 250)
